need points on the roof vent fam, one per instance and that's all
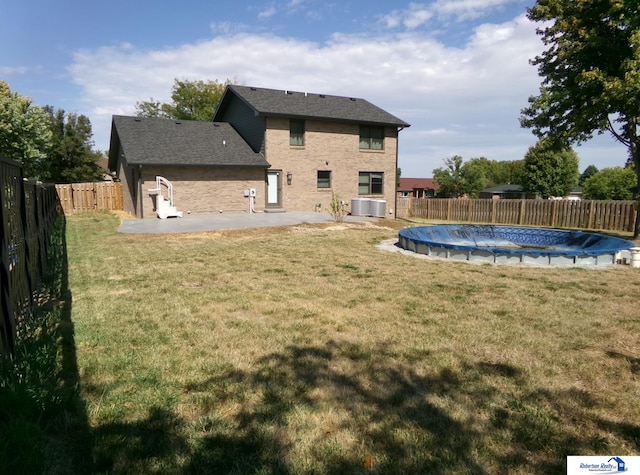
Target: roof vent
(353, 99)
(322, 95)
(178, 122)
(215, 124)
(253, 88)
(288, 92)
(137, 119)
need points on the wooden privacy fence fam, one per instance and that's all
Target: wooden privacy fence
(584, 214)
(28, 212)
(89, 197)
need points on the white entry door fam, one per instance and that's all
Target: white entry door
(274, 189)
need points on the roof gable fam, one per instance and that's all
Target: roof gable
(167, 142)
(303, 105)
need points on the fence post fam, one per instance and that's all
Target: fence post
(521, 216)
(493, 211)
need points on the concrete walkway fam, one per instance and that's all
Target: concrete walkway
(212, 222)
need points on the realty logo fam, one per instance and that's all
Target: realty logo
(578, 465)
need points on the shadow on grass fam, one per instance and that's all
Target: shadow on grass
(342, 408)
(43, 421)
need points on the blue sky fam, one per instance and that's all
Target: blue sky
(457, 70)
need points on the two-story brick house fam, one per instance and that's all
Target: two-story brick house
(293, 148)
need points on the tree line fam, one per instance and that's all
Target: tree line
(546, 171)
(53, 145)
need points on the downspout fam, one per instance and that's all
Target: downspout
(395, 176)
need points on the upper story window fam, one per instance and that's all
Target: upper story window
(371, 137)
(296, 132)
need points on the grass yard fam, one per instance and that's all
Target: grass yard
(308, 350)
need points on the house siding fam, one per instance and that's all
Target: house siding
(246, 123)
(204, 190)
(331, 146)
(125, 174)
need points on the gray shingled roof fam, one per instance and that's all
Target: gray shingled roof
(167, 142)
(506, 188)
(302, 105)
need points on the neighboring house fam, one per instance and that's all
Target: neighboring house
(418, 188)
(293, 148)
(503, 192)
(514, 192)
(103, 163)
(575, 194)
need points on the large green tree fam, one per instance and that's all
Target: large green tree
(71, 157)
(450, 178)
(550, 169)
(494, 172)
(587, 173)
(191, 100)
(590, 72)
(459, 178)
(610, 184)
(24, 132)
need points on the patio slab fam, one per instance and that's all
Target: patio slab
(195, 223)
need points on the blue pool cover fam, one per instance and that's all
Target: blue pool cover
(510, 240)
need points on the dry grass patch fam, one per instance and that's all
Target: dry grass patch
(307, 350)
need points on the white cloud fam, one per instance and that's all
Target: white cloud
(226, 28)
(416, 16)
(18, 70)
(290, 7)
(268, 12)
(463, 101)
(419, 14)
(437, 132)
(467, 9)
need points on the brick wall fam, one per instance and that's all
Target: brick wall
(333, 147)
(205, 190)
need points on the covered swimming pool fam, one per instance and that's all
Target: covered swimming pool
(492, 243)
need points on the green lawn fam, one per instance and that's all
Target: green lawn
(307, 349)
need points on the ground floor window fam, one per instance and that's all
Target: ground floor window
(370, 183)
(324, 179)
